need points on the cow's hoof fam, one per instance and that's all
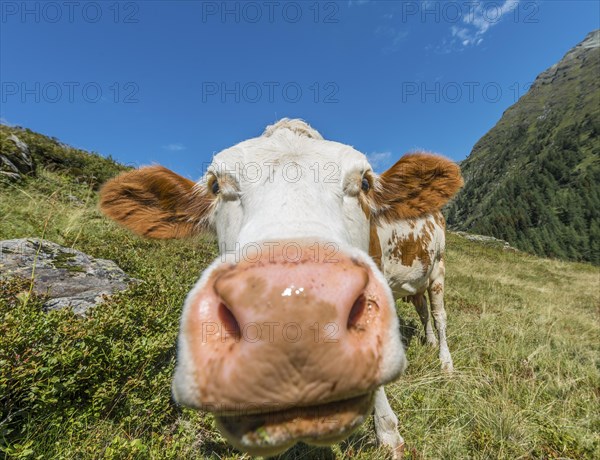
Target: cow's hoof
(431, 341)
(392, 443)
(394, 447)
(447, 367)
(398, 452)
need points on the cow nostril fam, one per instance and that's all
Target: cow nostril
(228, 322)
(356, 313)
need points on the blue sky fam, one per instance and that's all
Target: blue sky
(175, 82)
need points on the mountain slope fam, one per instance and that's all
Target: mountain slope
(51, 154)
(533, 179)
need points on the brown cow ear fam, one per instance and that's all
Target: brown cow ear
(156, 203)
(418, 184)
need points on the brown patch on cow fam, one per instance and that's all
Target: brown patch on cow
(374, 243)
(407, 248)
(156, 203)
(439, 219)
(437, 288)
(375, 246)
(365, 207)
(418, 184)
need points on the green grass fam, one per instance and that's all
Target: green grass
(524, 333)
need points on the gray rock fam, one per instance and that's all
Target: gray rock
(76, 201)
(15, 159)
(69, 278)
(574, 56)
(487, 241)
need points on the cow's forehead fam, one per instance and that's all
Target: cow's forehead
(287, 147)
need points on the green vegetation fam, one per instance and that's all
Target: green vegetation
(533, 180)
(51, 154)
(523, 332)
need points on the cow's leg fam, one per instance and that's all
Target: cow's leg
(386, 424)
(420, 303)
(436, 298)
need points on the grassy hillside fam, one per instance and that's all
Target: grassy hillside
(534, 179)
(49, 153)
(523, 332)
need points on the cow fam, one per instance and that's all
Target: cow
(291, 333)
(412, 260)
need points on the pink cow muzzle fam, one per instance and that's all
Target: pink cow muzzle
(284, 346)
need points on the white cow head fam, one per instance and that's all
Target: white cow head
(288, 333)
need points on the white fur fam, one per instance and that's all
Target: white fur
(271, 186)
(386, 425)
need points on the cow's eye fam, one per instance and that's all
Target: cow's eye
(215, 187)
(366, 185)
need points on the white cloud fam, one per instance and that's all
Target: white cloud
(478, 19)
(174, 147)
(357, 2)
(393, 36)
(466, 37)
(4, 121)
(379, 160)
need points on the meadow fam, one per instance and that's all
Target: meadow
(524, 333)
